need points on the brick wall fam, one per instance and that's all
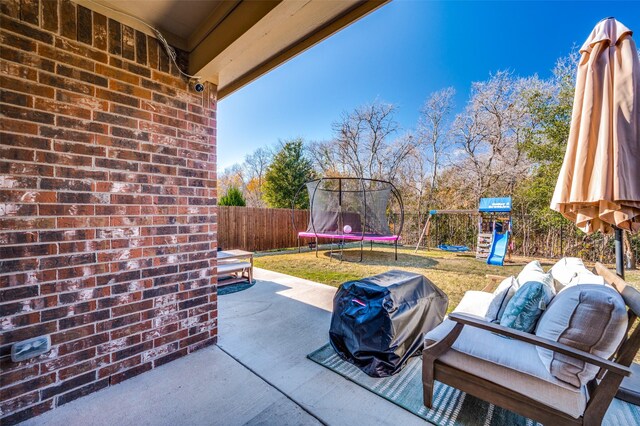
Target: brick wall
(107, 205)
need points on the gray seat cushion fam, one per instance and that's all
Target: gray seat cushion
(225, 268)
(509, 363)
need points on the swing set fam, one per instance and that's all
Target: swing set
(494, 229)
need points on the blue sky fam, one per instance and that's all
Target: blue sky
(400, 54)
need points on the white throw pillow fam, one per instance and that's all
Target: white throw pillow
(589, 317)
(587, 277)
(566, 270)
(531, 267)
(501, 297)
(533, 272)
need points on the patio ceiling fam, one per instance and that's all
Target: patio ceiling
(233, 42)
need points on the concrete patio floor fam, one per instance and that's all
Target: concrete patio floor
(257, 375)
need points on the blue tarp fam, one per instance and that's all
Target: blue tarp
(502, 204)
(447, 247)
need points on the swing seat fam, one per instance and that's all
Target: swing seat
(447, 247)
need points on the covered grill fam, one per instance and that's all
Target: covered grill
(379, 322)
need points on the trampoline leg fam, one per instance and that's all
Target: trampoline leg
(396, 244)
(298, 244)
(361, 249)
(316, 246)
(371, 249)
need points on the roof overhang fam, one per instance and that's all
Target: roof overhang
(233, 42)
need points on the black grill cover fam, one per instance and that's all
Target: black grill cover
(379, 322)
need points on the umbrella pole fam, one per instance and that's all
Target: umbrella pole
(619, 252)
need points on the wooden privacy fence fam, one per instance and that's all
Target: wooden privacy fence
(257, 229)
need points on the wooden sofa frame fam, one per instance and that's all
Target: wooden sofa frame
(601, 390)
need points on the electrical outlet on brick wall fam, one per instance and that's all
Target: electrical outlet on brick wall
(30, 348)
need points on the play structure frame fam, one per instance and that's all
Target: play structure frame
(492, 245)
(340, 235)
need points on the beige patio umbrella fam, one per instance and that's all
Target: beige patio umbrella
(599, 184)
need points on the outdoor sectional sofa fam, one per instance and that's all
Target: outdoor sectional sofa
(567, 372)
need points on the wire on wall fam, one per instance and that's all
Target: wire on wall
(171, 52)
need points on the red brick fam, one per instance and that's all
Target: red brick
(10, 8)
(82, 149)
(64, 311)
(108, 193)
(14, 40)
(68, 385)
(73, 334)
(82, 101)
(85, 25)
(117, 97)
(35, 410)
(100, 35)
(24, 333)
(16, 99)
(27, 59)
(128, 42)
(85, 76)
(20, 375)
(12, 252)
(68, 235)
(68, 19)
(65, 184)
(65, 159)
(28, 386)
(50, 16)
(75, 321)
(18, 126)
(82, 391)
(65, 83)
(25, 30)
(141, 47)
(65, 361)
(135, 91)
(115, 37)
(30, 11)
(58, 261)
(83, 367)
(27, 114)
(65, 57)
(83, 343)
(27, 223)
(119, 120)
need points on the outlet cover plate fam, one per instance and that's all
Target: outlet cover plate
(30, 348)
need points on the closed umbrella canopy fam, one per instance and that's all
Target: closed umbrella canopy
(599, 183)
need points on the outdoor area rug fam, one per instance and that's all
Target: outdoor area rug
(234, 288)
(451, 406)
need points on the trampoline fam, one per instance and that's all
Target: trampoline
(343, 209)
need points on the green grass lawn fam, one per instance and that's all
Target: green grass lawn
(454, 274)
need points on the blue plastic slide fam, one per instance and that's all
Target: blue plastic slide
(499, 244)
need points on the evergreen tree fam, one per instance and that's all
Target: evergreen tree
(547, 141)
(286, 173)
(233, 197)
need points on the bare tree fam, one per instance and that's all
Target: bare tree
(364, 144)
(255, 166)
(432, 135)
(489, 134)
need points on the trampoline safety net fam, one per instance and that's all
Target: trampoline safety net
(342, 207)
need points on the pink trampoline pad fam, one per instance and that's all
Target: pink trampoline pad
(351, 237)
